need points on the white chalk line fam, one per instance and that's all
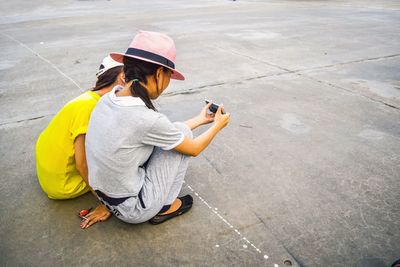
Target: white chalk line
(44, 59)
(215, 211)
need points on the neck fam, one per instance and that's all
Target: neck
(104, 90)
(126, 91)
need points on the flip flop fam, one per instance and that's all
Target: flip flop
(187, 202)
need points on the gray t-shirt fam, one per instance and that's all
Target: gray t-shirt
(121, 136)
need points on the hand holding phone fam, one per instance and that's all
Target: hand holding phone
(214, 107)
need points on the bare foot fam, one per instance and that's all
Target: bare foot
(99, 214)
(174, 206)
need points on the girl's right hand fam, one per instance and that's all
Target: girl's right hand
(221, 120)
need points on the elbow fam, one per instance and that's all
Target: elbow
(192, 152)
(196, 152)
(81, 168)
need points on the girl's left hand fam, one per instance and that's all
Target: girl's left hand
(205, 117)
(100, 214)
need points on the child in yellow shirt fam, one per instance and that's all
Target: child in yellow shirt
(60, 149)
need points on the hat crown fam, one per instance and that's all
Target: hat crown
(155, 42)
(107, 63)
(153, 47)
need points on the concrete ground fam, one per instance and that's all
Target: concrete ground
(306, 174)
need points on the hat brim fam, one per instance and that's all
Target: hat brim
(119, 57)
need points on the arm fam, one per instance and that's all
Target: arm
(193, 147)
(100, 213)
(80, 157)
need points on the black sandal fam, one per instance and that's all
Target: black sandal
(187, 202)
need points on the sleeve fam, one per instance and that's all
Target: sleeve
(163, 134)
(80, 122)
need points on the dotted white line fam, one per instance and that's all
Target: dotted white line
(215, 211)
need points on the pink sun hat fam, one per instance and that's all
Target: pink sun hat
(153, 47)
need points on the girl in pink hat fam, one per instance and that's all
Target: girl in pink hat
(137, 158)
(60, 149)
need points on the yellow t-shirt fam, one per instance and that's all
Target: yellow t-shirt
(55, 153)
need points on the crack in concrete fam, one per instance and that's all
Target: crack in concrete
(201, 88)
(198, 89)
(211, 163)
(194, 90)
(295, 258)
(204, 87)
(349, 62)
(298, 72)
(26, 119)
(351, 91)
(312, 68)
(299, 262)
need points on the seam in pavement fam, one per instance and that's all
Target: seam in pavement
(198, 89)
(27, 119)
(43, 58)
(215, 211)
(299, 72)
(300, 263)
(201, 88)
(37, 117)
(349, 62)
(312, 68)
(351, 91)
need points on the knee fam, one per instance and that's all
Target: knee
(184, 128)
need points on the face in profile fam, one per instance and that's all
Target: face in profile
(159, 82)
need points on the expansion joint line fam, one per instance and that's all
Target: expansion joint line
(300, 72)
(44, 59)
(350, 91)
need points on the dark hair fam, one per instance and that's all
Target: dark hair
(107, 78)
(138, 70)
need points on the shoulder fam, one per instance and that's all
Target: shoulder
(160, 121)
(153, 116)
(84, 102)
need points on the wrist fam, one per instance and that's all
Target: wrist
(216, 127)
(199, 120)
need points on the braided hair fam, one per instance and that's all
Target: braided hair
(137, 71)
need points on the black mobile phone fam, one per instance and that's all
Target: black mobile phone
(214, 107)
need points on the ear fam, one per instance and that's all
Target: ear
(121, 78)
(159, 73)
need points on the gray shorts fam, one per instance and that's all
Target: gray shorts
(165, 172)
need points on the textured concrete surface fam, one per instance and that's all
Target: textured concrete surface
(307, 171)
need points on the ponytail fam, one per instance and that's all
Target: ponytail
(138, 90)
(137, 71)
